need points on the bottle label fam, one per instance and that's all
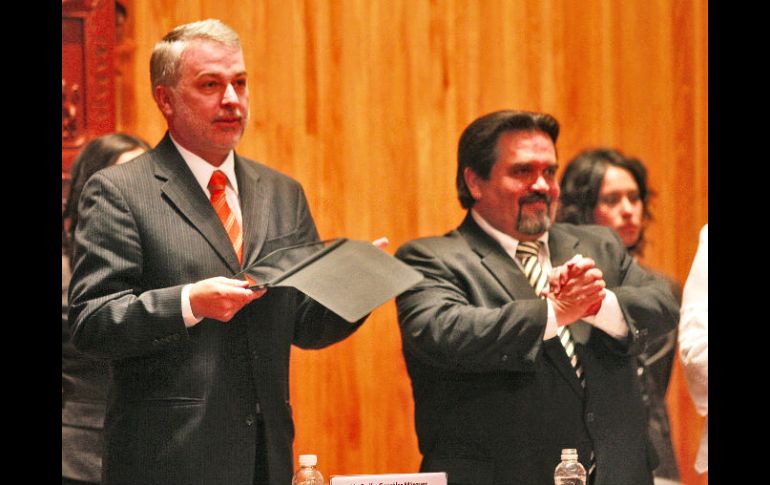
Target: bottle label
(569, 481)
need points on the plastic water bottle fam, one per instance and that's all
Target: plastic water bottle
(569, 471)
(308, 474)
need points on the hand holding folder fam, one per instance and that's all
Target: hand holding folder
(349, 277)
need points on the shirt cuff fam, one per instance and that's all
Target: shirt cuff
(550, 323)
(610, 317)
(187, 314)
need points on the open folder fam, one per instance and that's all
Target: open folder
(349, 277)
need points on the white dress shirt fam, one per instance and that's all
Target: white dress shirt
(694, 339)
(202, 171)
(609, 318)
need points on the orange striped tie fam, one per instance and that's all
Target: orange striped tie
(219, 201)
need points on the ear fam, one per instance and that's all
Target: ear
(473, 181)
(162, 95)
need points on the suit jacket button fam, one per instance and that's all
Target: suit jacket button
(590, 417)
(504, 358)
(250, 420)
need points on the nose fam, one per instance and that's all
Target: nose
(626, 207)
(230, 96)
(540, 184)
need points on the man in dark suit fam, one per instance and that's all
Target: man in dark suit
(199, 362)
(499, 387)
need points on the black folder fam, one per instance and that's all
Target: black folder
(349, 277)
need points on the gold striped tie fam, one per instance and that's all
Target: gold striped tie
(217, 185)
(527, 252)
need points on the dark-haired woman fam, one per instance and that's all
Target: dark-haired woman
(605, 187)
(84, 380)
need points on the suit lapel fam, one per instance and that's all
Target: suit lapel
(183, 191)
(562, 245)
(496, 260)
(255, 211)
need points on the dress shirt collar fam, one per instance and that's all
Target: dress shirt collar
(508, 242)
(202, 169)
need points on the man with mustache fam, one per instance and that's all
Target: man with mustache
(199, 362)
(509, 367)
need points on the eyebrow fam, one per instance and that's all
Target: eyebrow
(535, 162)
(215, 74)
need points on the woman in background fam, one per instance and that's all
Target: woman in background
(84, 380)
(605, 187)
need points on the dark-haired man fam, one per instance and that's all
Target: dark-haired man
(520, 341)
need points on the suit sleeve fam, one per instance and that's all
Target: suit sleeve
(647, 303)
(110, 315)
(444, 325)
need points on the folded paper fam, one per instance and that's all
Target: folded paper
(349, 277)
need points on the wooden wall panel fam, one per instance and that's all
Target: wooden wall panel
(363, 101)
(88, 94)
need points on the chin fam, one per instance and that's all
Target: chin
(534, 227)
(229, 142)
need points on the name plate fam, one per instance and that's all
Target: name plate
(391, 479)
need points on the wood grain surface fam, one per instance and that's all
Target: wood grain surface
(363, 101)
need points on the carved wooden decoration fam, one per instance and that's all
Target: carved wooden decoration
(88, 89)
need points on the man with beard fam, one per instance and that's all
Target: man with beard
(199, 362)
(520, 340)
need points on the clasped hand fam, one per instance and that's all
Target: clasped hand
(576, 289)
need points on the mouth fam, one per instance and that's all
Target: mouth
(541, 203)
(228, 121)
(535, 201)
(629, 228)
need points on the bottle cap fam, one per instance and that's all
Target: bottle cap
(569, 454)
(308, 460)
